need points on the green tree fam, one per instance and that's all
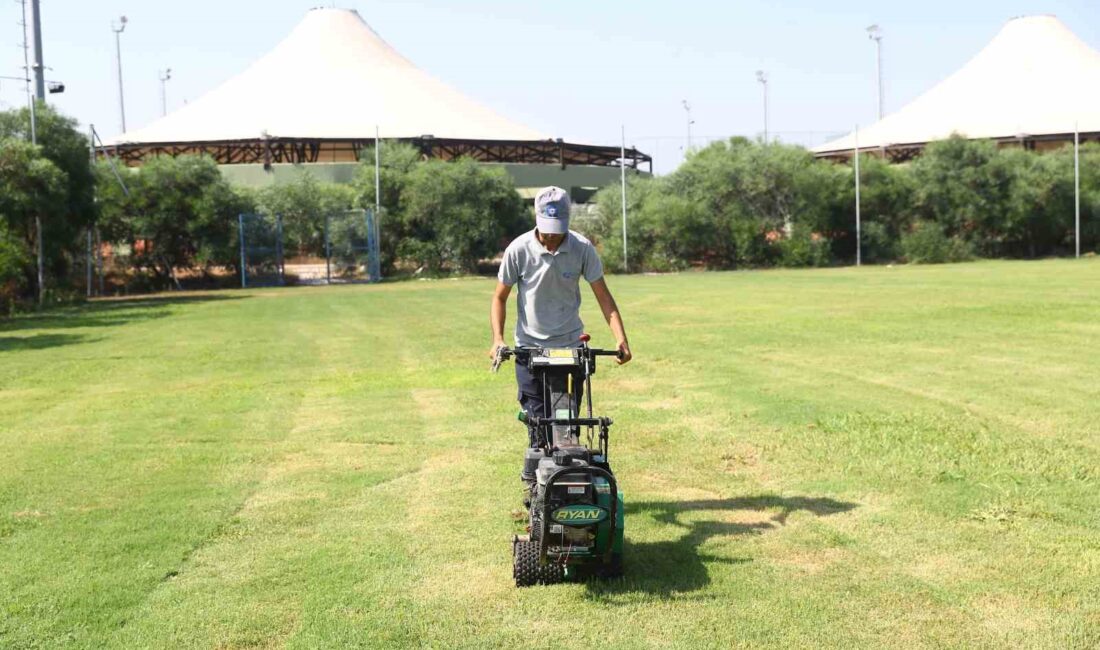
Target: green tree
(731, 204)
(303, 205)
(180, 213)
(959, 186)
(397, 162)
(31, 187)
(886, 212)
(66, 148)
(457, 213)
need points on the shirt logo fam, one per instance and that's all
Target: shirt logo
(568, 275)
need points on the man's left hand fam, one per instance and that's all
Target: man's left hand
(624, 353)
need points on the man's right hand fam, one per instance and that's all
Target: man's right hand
(496, 346)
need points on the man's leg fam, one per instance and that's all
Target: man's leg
(530, 397)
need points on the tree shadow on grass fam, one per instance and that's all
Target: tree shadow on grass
(673, 567)
(107, 313)
(38, 341)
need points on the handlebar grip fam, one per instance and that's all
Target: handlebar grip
(608, 353)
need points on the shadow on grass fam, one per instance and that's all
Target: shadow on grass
(677, 566)
(38, 341)
(107, 313)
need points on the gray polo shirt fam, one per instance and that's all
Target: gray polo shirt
(549, 294)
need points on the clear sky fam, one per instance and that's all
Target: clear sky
(576, 69)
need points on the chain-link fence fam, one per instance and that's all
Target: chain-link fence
(351, 247)
(350, 254)
(261, 246)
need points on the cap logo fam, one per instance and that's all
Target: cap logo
(551, 211)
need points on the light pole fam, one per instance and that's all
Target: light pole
(118, 27)
(622, 178)
(762, 77)
(39, 67)
(687, 109)
(164, 76)
(874, 32)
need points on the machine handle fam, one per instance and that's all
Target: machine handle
(502, 355)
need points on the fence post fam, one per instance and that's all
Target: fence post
(328, 250)
(374, 270)
(99, 262)
(859, 234)
(279, 248)
(88, 264)
(240, 236)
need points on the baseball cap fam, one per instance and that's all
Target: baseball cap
(552, 211)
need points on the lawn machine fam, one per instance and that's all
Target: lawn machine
(575, 510)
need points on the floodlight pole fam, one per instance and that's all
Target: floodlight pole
(38, 67)
(859, 238)
(118, 27)
(88, 268)
(762, 77)
(622, 176)
(1076, 191)
(874, 32)
(164, 76)
(31, 101)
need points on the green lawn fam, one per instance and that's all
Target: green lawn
(878, 457)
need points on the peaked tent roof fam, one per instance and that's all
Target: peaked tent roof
(332, 77)
(1034, 79)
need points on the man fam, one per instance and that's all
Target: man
(547, 264)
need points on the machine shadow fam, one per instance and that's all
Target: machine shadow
(106, 313)
(678, 566)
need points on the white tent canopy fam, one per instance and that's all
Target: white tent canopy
(1034, 79)
(333, 77)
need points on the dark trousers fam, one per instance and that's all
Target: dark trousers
(531, 396)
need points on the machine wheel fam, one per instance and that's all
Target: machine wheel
(526, 568)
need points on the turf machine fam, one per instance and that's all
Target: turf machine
(575, 510)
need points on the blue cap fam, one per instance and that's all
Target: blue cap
(552, 211)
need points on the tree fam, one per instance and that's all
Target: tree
(180, 213)
(886, 212)
(304, 204)
(959, 187)
(31, 187)
(64, 221)
(456, 213)
(397, 162)
(731, 204)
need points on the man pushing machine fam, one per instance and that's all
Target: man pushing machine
(547, 264)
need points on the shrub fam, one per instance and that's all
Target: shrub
(928, 244)
(803, 248)
(457, 213)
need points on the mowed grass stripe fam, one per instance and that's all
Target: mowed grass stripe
(879, 457)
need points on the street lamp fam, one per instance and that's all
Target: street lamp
(874, 32)
(164, 76)
(118, 27)
(687, 109)
(762, 77)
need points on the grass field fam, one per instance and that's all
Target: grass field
(883, 457)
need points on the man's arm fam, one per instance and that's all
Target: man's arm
(498, 313)
(611, 315)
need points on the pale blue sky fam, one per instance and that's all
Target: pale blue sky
(571, 68)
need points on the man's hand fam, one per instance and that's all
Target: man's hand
(624, 353)
(496, 346)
